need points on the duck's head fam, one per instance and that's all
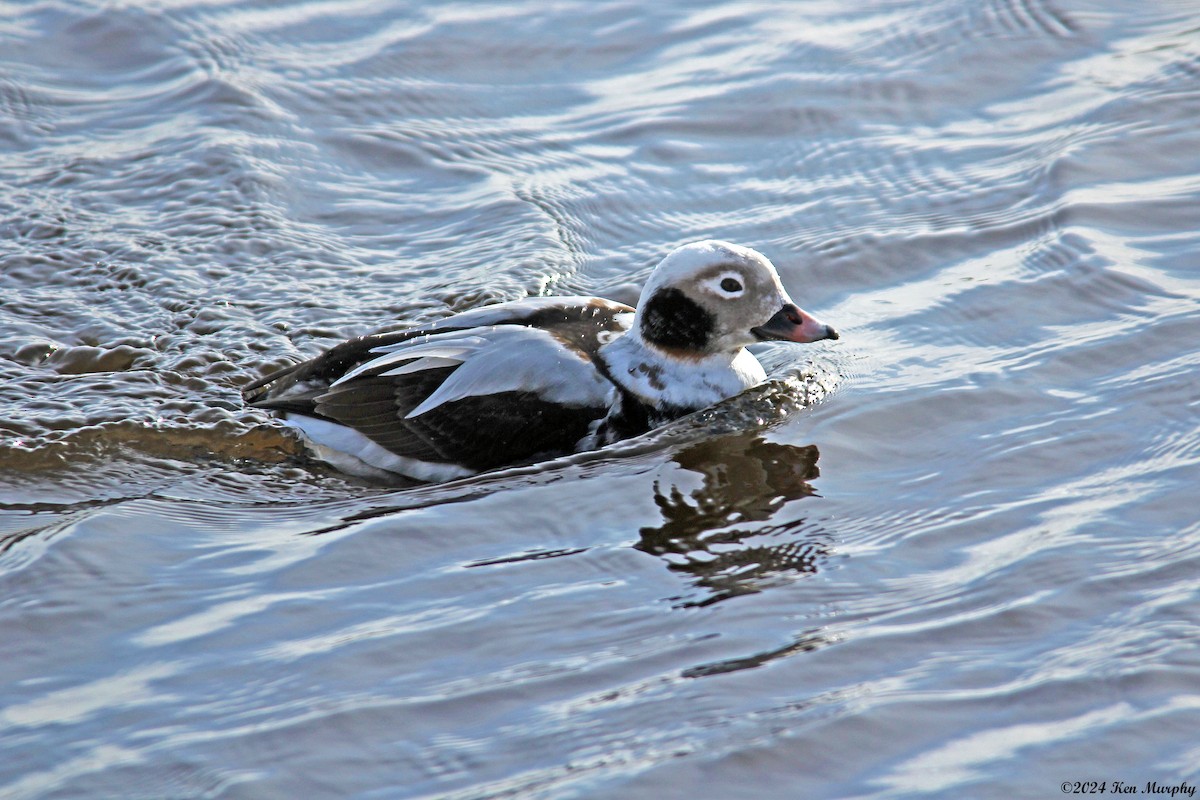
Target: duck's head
(715, 297)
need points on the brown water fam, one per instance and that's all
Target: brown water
(954, 554)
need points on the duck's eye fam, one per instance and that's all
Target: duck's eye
(731, 285)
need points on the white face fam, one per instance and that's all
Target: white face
(707, 298)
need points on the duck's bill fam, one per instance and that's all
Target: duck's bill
(793, 324)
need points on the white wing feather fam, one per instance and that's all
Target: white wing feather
(513, 358)
(421, 349)
(491, 360)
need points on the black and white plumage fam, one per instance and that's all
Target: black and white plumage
(536, 378)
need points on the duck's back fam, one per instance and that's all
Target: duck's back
(497, 385)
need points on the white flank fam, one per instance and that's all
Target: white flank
(351, 452)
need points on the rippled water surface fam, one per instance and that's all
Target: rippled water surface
(954, 554)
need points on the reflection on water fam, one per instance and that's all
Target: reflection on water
(713, 530)
(805, 642)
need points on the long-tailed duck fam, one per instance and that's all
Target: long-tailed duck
(540, 377)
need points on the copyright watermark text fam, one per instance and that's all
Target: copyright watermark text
(1181, 789)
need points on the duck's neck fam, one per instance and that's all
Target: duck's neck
(656, 386)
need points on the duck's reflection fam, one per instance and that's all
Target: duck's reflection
(713, 497)
(721, 500)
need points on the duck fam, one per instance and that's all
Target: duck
(527, 380)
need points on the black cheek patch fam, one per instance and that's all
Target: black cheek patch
(672, 320)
